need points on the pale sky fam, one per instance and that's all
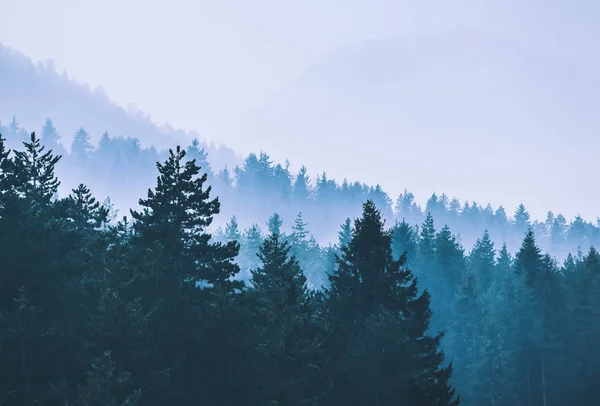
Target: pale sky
(202, 64)
(198, 63)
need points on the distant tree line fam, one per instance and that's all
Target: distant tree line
(120, 168)
(154, 310)
(151, 312)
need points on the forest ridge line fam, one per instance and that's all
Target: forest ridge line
(156, 311)
(250, 189)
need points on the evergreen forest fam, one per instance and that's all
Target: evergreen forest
(257, 287)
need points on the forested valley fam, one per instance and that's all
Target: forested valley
(220, 288)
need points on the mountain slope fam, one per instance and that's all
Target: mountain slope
(33, 92)
(396, 111)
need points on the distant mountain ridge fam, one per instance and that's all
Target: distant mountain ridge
(486, 99)
(33, 92)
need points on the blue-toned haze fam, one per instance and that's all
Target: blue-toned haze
(492, 101)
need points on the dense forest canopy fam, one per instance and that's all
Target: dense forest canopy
(154, 309)
(33, 91)
(121, 168)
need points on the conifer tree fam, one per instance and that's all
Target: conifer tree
(176, 215)
(302, 188)
(345, 234)
(274, 224)
(465, 335)
(299, 234)
(81, 148)
(232, 231)
(51, 139)
(34, 172)
(253, 240)
(522, 219)
(198, 153)
(482, 261)
(504, 263)
(584, 306)
(404, 241)
(374, 305)
(111, 212)
(426, 264)
(83, 207)
(106, 385)
(528, 259)
(5, 172)
(427, 241)
(288, 331)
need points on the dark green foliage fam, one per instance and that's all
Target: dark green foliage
(154, 311)
(51, 139)
(404, 241)
(299, 233)
(288, 329)
(175, 216)
(34, 172)
(232, 231)
(345, 234)
(81, 148)
(274, 224)
(482, 261)
(368, 291)
(106, 385)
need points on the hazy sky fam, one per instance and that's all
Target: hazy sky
(198, 63)
(201, 64)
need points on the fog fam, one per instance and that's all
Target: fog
(494, 81)
(407, 202)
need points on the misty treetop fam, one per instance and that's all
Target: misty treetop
(149, 312)
(121, 168)
(157, 310)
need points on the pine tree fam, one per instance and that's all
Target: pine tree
(445, 276)
(198, 153)
(300, 233)
(105, 142)
(5, 173)
(482, 261)
(34, 172)
(111, 212)
(188, 285)
(504, 263)
(274, 224)
(427, 241)
(81, 148)
(345, 234)
(584, 307)
(289, 349)
(375, 310)
(51, 139)
(83, 208)
(26, 339)
(464, 336)
(176, 215)
(493, 376)
(528, 259)
(248, 258)
(106, 385)
(302, 188)
(528, 265)
(407, 209)
(404, 241)
(16, 135)
(426, 256)
(522, 219)
(232, 231)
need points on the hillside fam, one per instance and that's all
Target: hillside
(33, 92)
(486, 98)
